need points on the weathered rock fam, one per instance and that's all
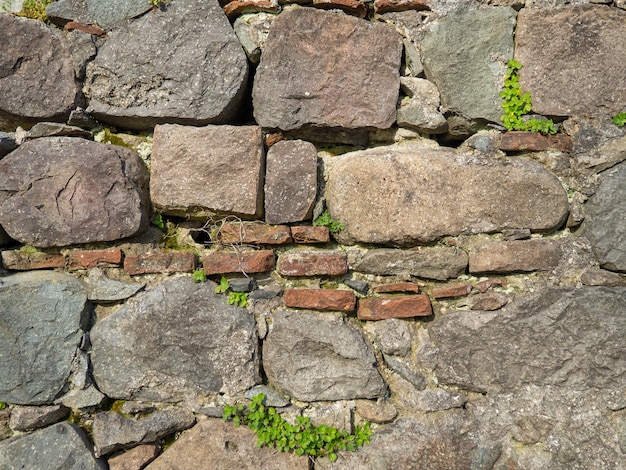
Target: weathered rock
(420, 111)
(337, 415)
(323, 69)
(103, 289)
(516, 141)
(112, 431)
(382, 308)
(488, 301)
(312, 263)
(17, 260)
(108, 13)
(36, 74)
(455, 290)
(85, 259)
(160, 262)
(538, 340)
(376, 412)
(407, 371)
(404, 194)
(252, 31)
(600, 277)
(215, 445)
(579, 36)
(438, 263)
(60, 191)
(62, 446)
(392, 336)
(290, 181)
(597, 143)
(208, 345)
(27, 418)
(309, 234)
(317, 356)
(272, 397)
(464, 54)
(605, 224)
(55, 129)
(137, 457)
(62, 11)
(83, 49)
(88, 397)
(200, 171)
(41, 314)
(396, 287)
(320, 299)
(196, 73)
(7, 144)
(254, 233)
(519, 255)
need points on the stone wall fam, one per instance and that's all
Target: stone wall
(469, 299)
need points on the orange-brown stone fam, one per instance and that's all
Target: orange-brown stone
(397, 287)
(255, 233)
(312, 263)
(222, 262)
(384, 6)
(320, 299)
(172, 262)
(395, 307)
(354, 7)
(84, 259)
(456, 290)
(514, 141)
(310, 234)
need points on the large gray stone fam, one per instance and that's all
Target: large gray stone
(215, 445)
(61, 11)
(316, 356)
(322, 69)
(112, 431)
(598, 144)
(180, 64)
(63, 446)
(179, 340)
(605, 224)
(465, 55)
(583, 48)
(36, 74)
(405, 194)
(290, 181)
(438, 262)
(571, 338)
(200, 171)
(108, 13)
(41, 315)
(59, 191)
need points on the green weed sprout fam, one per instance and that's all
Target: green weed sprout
(234, 298)
(325, 220)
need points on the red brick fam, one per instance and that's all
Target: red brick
(172, 262)
(239, 7)
(309, 234)
(21, 261)
(397, 287)
(354, 7)
(222, 262)
(312, 263)
(484, 286)
(456, 290)
(255, 233)
(320, 299)
(394, 307)
(516, 256)
(83, 259)
(384, 6)
(514, 141)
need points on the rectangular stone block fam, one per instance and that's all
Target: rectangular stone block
(310, 234)
(172, 262)
(514, 256)
(85, 259)
(394, 307)
(255, 233)
(22, 261)
(515, 141)
(223, 262)
(312, 263)
(452, 291)
(397, 287)
(320, 299)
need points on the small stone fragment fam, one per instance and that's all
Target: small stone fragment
(337, 415)
(55, 129)
(354, 7)
(310, 234)
(456, 290)
(235, 8)
(103, 289)
(392, 336)
(484, 286)
(397, 307)
(601, 277)
(245, 284)
(135, 458)
(397, 287)
(420, 111)
(360, 286)
(376, 411)
(405, 371)
(89, 397)
(272, 397)
(384, 6)
(252, 31)
(28, 418)
(489, 301)
(511, 234)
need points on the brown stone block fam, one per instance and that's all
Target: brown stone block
(384, 6)
(239, 7)
(255, 233)
(514, 256)
(137, 457)
(172, 262)
(489, 301)
(320, 299)
(21, 261)
(355, 7)
(514, 141)
(395, 307)
(310, 234)
(484, 286)
(222, 262)
(312, 263)
(84, 259)
(397, 287)
(456, 290)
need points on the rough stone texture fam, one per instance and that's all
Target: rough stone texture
(212, 169)
(438, 263)
(89, 397)
(376, 412)
(519, 255)
(489, 301)
(272, 397)
(456, 290)
(384, 6)
(103, 289)
(215, 445)
(27, 418)
(544, 339)
(465, 55)
(605, 224)
(598, 144)
(112, 431)
(583, 49)
(84, 259)
(308, 234)
(21, 261)
(408, 306)
(235, 8)
(392, 336)
(60, 191)
(61, 11)
(407, 194)
(177, 340)
(516, 141)
(170, 262)
(108, 13)
(323, 69)
(196, 73)
(397, 287)
(320, 299)
(290, 181)
(7, 144)
(62, 446)
(41, 314)
(252, 31)
(135, 458)
(600, 277)
(312, 263)
(404, 390)
(337, 415)
(420, 110)
(223, 262)
(318, 356)
(255, 233)
(36, 74)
